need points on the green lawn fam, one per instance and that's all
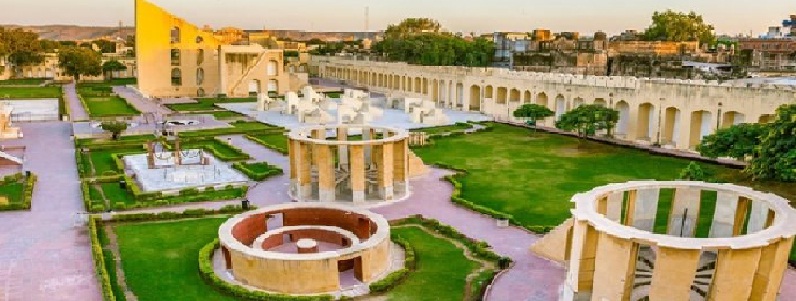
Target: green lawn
(160, 259)
(206, 104)
(115, 194)
(257, 171)
(103, 161)
(101, 102)
(441, 269)
(22, 82)
(13, 193)
(534, 177)
(445, 128)
(221, 150)
(276, 140)
(171, 249)
(30, 92)
(238, 127)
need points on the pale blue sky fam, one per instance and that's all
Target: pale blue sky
(586, 16)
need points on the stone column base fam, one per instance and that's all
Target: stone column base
(304, 192)
(326, 195)
(386, 193)
(400, 186)
(359, 196)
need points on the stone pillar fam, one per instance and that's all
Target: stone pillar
(292, 155)
(724, 216)
(401, 166)
(673, 274)
(581, 263)
(630, 208)
(304, 172)
(385, 173)
(684, 213)
(342, 150)
(684, 138)
(758, 217)
(735, 271)
(646, 208)
(614, 206)
(614, 268)
(358, 173)
(326, 173)
(742, 209)
(771, 269)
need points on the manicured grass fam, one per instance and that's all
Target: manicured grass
(224, 114)
(534, 176)
(115, 194)
(22, 82)
(445, 128)
(206, 104)
(159, 259)
(275, 140)
(103, 161)
(30, 92)
(101, 102)
(257, 171)
(221, 150)
(238, 127)
(441, 268)
(13, 192)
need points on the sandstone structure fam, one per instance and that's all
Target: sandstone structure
(670, 112)
(303, 248)
(615, 249)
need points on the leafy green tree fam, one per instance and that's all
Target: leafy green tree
(22, 47)
(532, 112)
(679, 27)
(738, 141)
(412, 26)
(693, 172)
(775, 159)
(77, 62)
(105, 46)
(586, 120)
(114, 127)
(112, 66)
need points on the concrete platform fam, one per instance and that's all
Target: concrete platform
(169, 177)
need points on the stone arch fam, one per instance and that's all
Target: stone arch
(200, 76)
(645, 121)
(561, 106)
(424, 87)
(577, 102)
(731, 118)
(501, 95)
(396, 82)
(272, 69)
(701, 126)
(526, 97)
(176, 34)
(488, 92)
(514, 95)
(459, 95)
(671, 129)
(417, 85)
(175, 57)
(541, 99)
(176, 77)
(374, 80)
(624, 117)
(435, 90)
(600, 102)
(404, 83)
(254, 86)
(767, 118)
(475, 98)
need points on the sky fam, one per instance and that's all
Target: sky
(585, 16)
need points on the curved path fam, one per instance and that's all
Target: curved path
(43, 255)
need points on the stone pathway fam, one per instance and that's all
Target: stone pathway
(43, 255)
(76, 110)
(141, 104)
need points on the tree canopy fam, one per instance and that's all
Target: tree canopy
(532, 112)
(79, 61)
(588, 119)
(737, 141)
(21, 47)
(775, 159)
(112, 66)
(412, 26)
(679, 27)
(114, 127)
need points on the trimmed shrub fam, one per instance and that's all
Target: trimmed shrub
(99, 261)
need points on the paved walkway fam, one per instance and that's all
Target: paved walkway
(76, 110)
(141, 104)
(43, 256)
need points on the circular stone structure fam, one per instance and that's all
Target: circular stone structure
(328, 164)
(617, 250)
(304, 248)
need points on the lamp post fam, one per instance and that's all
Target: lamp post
(718, 117)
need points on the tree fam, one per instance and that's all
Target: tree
(80, 61)
(112, 66)
(775, 159)
(693, 172)
(105, 46)
(114, 127)
(22, 47)
(412, 26)
(588, 119)
(738, 141)
(679, 27)
(532, 112)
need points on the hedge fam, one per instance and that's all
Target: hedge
(99, 260)
(187, 213)
(209, 276)
(27, 191)
(272, 170)
(268, 145)
(397, 277)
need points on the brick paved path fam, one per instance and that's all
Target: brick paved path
(43, 256)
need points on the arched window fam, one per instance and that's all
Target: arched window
(175, 34)
(200, 56)
(200, 76)
(176, 77)
(272, 68)
(273, 86)
(175, 57)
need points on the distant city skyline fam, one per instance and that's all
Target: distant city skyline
(585, 16)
